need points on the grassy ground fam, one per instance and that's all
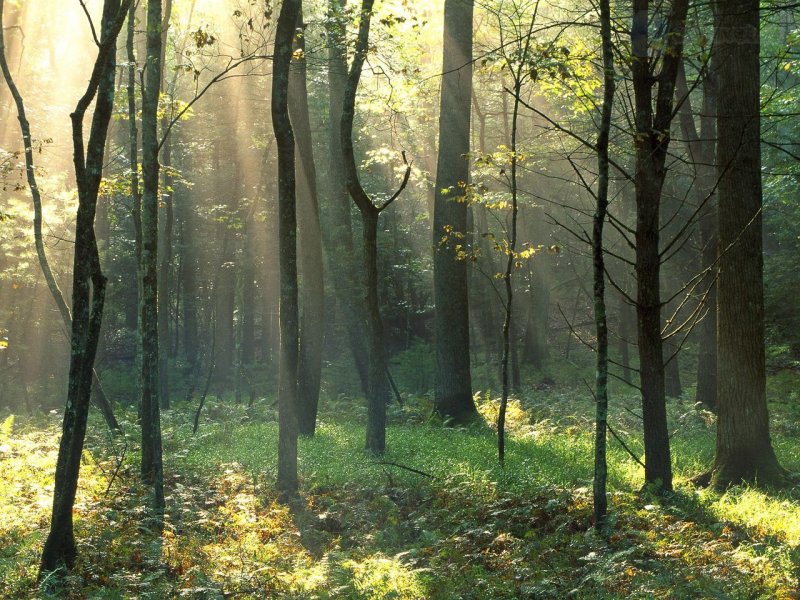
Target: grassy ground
(465, 528)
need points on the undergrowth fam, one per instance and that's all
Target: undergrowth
(436, 517)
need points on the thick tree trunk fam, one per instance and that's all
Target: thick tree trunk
(151, 464)
(744, 450)
(452, 374)
(88, 290)
(287, 227)
(312, 299)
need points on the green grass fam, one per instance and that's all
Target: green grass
(469, 529)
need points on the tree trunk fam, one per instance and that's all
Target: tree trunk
(312, 304)
(651, 142)
(452, 376)
(598, 260)
(378, 389)
(88, 289)
(701, 151)
(287, 233)
(743, 450)
(151, 464)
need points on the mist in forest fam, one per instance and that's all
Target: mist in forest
(565, 226)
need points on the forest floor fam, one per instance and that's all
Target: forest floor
(368, 528)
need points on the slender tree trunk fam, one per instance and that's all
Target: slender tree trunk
(287, 224)
(598, 260)
(164, 278)
(378, 389)
(651, 142)
(88, 289)
(510, 264)
(452, 375)
(312, 305)
(151, 466)
(744, 449)
(701, 151)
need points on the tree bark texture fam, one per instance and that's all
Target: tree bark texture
(152, 464)
(452, 375)
(743, 448)
(88, 290)
(287, 234)
(651, 142)
(312, 298)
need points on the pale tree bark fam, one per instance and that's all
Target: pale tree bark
(287, 234)
(165, 243)
(88, 288)
(452, 374)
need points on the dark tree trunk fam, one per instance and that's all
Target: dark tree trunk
(452, 376)
(598, 259)
(744, 449)
(312, 305)
(378, 388)
(339, 236)
(151, 464)
(287, 233)
(88, 289)
(651, 142)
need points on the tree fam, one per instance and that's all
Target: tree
(651, 142)
(312, 306)
(152, 462)
(88, 287)
(287, 233)
(378, 389)
(701, 146)
(743, 449)
(452, 379)
(598, 258)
